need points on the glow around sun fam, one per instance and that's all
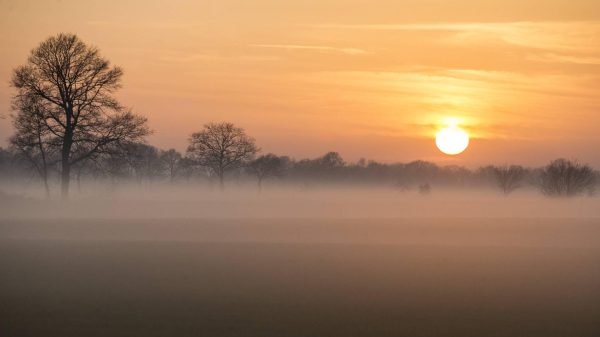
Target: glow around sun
(452, 140)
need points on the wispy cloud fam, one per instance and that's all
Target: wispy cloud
(184, 57)
(350, 51)
(157, 25)
(576, 35)
(558, 58)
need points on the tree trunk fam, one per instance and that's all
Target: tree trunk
(46, 186)
(172, 173)
(65, 180)
(79, 180)
(259, 185)
(65, 176)
(44, 169)
(221, 181)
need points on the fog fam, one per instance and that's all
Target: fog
(295, 260)
(290, 201)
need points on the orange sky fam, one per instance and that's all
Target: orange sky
(370, 79)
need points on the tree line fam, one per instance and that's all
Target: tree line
(146, 165)
(69, 125)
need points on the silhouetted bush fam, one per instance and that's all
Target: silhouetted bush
(509, 178)
(567, 178)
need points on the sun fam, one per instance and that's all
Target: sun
(452, 140)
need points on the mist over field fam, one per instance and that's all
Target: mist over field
(182, 260)
(130, 201)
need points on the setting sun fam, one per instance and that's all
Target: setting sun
(452, 140)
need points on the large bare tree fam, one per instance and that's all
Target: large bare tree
(221, 147)
(74, 87)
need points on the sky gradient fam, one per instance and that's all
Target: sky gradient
(372, 79)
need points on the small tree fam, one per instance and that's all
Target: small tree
(266, 166)
(331, 160)
(171, 159)
(566, 178)
(221, 147)
(509, 178)
(187, 168)
(143, 160)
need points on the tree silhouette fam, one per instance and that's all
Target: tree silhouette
(171, 159)
(74, 86)
(144, 162)
(331, 160)
(509, 178)
(266, 166)
(221, 147)
(566, 178)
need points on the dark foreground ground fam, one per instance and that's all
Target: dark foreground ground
(389, 277)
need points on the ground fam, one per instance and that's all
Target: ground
(300, 277)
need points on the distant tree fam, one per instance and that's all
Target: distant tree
(114, 164)
(144, 161)
(567, 178)
(171, 160)
(5, 159)
(13, 165)
(417, 172)
(509, 178)
(424, 189)
(187, 168)
(485, 175)
(331, 160)
(222, 147)
(266, 166)
(74, 86)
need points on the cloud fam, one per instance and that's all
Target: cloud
(577, 35)
(157, 25)
(349, 51)
(558, 58)
(181, 57)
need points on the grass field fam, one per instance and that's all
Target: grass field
(300, 277)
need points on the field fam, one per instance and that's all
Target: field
(300, 276)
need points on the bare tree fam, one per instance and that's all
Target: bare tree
(144, 162)
(266, 166)
(567, 178)
(187, 168)
(509, 178)
(331, 160)
(74, 86)
(171, 159)
(221, 147)
(32, 139)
